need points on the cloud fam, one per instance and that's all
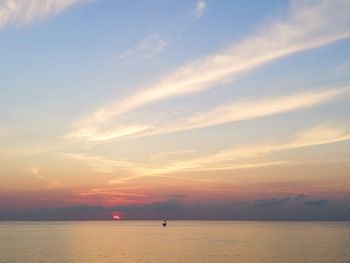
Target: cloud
(173, 209)
(319, 202)
(146, 48)
(323, 134)
(21, 12)
(104, 165)
(172, 154)
(124, 169)
(133, 170)
(200, 8)
(246, 110)
(300, 197)
(205, 164)
(232, 112)
(49, 182)
(239, 157)
(175, 196)
(271, 202)
(308, 25)
(93, 135)
(110, 196)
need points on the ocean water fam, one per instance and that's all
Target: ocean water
(181, 241)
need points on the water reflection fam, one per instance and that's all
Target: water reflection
(181, 241)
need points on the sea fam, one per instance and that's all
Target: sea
(181, 241)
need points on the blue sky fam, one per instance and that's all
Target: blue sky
(107, 95)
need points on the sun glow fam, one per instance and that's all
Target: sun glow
(116, 217)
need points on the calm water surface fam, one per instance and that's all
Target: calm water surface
(181, 241)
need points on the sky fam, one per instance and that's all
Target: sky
(189, 109)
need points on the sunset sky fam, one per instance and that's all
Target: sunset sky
(188, 109)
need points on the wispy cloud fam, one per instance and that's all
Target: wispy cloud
(271, 208)
(200, 8)
(308, 25)
(246, 110)
(105, 165)
(232, 112)
(172, 154)
(271, 202)
(319, 202)
(21, 12)
(239, 157)
(129, 170)
(93, 135)
(146, 48)
(51, 183)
